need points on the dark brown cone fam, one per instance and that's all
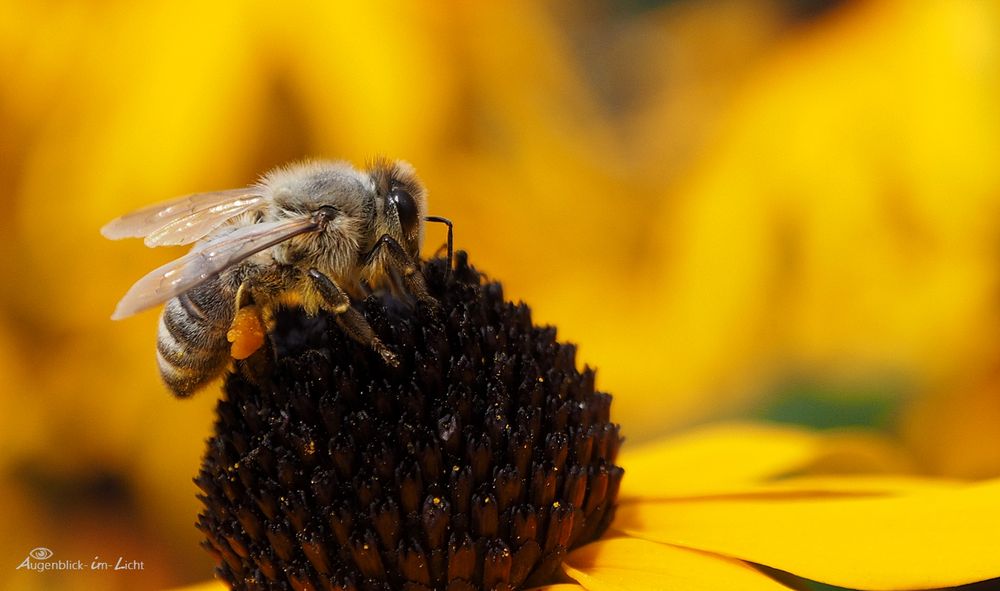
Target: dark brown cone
(476, 464)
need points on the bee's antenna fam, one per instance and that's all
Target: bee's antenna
(447, 222)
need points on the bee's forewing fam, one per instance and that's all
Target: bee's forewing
(206, 262)
(183, 220)
(197, 225)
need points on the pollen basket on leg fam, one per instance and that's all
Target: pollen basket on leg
(246, 333)
(476, 463)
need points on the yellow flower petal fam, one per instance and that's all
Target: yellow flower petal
(922, 541)
(688, 464)
(630, 564)
(818, 486)
(811, 487)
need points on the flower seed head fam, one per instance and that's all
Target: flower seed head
(477, 463)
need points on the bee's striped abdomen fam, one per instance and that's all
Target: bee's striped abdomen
(191, 345)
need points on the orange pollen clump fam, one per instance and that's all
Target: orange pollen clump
(246, 333)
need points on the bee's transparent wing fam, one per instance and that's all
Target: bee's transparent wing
(206, 262)
(185, 219)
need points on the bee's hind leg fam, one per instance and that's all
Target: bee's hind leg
(249, 346)
(350, 320)
(247, 330)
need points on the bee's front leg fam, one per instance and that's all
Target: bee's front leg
(350, 320)
(406, 266)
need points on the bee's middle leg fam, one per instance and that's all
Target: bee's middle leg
(350, 320)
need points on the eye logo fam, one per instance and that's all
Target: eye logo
(38, 560)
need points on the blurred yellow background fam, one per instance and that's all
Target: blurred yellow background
(776, 209)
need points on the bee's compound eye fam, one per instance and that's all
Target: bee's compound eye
(405, 206)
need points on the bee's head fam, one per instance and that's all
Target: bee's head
(400, 204)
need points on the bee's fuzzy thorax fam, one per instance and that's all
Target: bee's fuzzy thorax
(302, 189)
(304, 186)
(476, 464)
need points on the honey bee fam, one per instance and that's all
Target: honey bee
(314, 234)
